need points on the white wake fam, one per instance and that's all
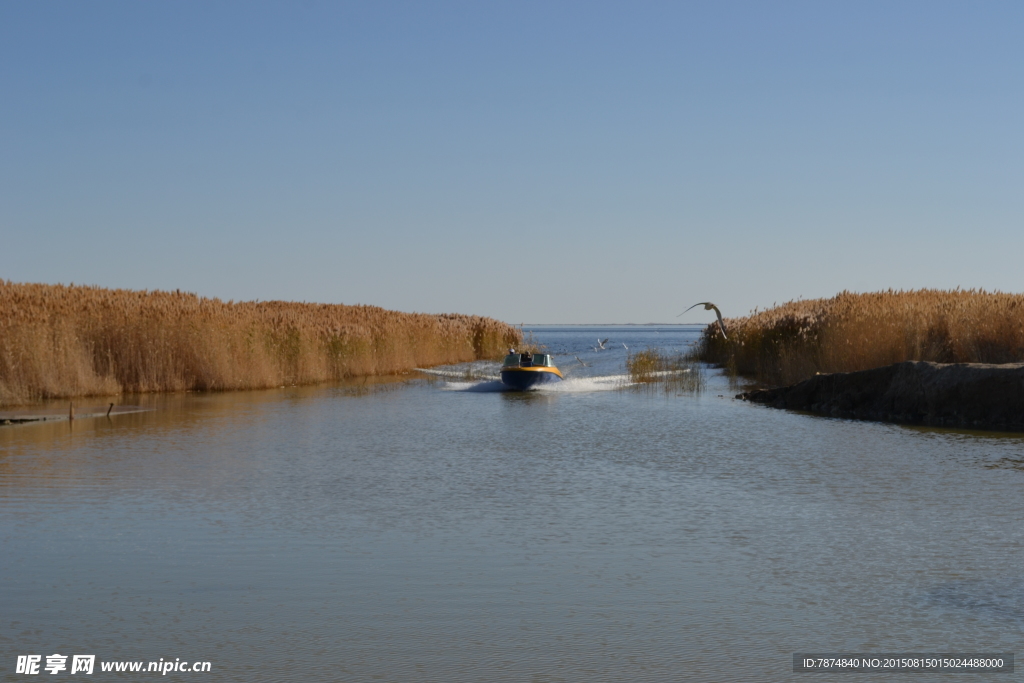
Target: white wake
(571, 385)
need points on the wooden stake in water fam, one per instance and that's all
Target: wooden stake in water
(71, 412)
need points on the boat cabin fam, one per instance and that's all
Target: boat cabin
(529, 360)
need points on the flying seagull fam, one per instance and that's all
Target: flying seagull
(708, 306)
(600, 344)
(625, 347)
(581, 362)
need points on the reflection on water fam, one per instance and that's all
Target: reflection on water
(388, 530)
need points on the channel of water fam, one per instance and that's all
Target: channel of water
(428, 528)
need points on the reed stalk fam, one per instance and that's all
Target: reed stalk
(653, 369)
(60, 341)
(791, 342)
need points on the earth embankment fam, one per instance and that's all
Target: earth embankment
(967, 395)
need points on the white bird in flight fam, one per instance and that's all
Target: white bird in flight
(581, 362)
(601, 345)
(708, 306)
(624, 346)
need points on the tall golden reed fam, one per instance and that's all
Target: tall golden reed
(672, 372)
(63, 341)
(848, 332)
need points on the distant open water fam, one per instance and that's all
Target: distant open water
(439, 530)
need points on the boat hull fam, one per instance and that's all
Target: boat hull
(527, 378)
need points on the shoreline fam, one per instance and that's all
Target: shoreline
(89, 407)
(958, 395)
(33, 415)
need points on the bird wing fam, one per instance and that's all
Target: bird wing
(702, 303)
(721, 323)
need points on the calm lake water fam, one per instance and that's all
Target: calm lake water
(435, 529)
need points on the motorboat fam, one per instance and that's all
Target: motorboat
(527, 370)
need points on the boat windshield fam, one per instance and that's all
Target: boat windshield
(526, 360)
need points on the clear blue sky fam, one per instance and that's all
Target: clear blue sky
(538, 162)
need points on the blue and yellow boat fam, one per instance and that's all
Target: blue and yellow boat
(525, 370)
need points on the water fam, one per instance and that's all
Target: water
(422, 530)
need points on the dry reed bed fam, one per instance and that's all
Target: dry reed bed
(653, 368)
(791, 342)
(64, 341)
